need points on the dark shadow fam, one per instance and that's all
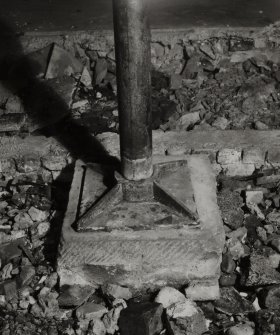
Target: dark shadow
(48, 110)
(42, 104)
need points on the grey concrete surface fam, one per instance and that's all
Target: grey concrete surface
(48, 15)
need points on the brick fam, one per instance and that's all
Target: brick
(229, 156)
(254, 156)
(238, 169)
(273, 156)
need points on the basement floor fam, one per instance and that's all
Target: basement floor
(40, 15)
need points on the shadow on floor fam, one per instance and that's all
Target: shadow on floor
(44, 106)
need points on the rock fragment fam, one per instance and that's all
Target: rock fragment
(62, 63)
(168, 296)
(269, 297)
(241, 329)
(91, 311)
(74, 295)
(142, 319)
(231, 302)
(186, 318)
(259, 272)
(117, 292)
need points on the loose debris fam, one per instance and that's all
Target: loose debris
(219, 83)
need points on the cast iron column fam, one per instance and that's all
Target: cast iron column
(133, 58)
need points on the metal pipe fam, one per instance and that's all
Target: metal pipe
(133, 59)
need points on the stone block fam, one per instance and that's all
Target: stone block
(254, 156)
(146, 258)
(238, 169)
(208, 290)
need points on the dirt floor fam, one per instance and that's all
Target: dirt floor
(41, 15)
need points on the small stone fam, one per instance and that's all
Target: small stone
(22, 221)
(254, 209)
(98, 328)
(43, 228)
(54, 163)
(261, 126)
(48, 301)
(240, 234)
(182, 309)
(236, 248)
(111, 319)
(157, 50)
(80, 104)
(15, 271)
(276, 200)
(228, 265)
(9, 288)
(6, 271)
(221, 123)
(51, 280)
(255, 197)
(188, 120)
(141, 318)
(2, 300)
(231, 302)
(37, 215)
(74, 295)
(274, 260)
(259, 272)
(86, 79)
(10, 251)
(168, 296)
(117, 292)
(207, 50)
(62, 63)
(175, 81)
(269, 297)
(36, 310)
(256, 304)
(227, 279)
(14, 105)
(100, 71)
(203, 290)
(238, 169)
(269, 228)
(240, 44)
(91, 311)
(275, 243)
(241, 329)
(261, 232)
(27, 273)
(115, 113)
(29, 163)
(186, 318)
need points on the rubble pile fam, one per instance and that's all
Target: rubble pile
(218, 83)
(222, 83)
(32, 301)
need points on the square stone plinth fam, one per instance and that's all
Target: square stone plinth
(183, 256)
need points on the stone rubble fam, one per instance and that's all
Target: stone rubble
(233, 80)
(223, 83)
